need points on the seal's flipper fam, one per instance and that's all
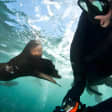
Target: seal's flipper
(47, 77)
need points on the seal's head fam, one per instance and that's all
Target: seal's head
(46, 69)
(33, 48)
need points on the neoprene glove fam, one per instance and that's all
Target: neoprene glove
(69, 98)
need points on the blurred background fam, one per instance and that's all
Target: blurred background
(53, 22)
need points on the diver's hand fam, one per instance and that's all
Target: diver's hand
(70, 103)
(69, 99)
(104, 19)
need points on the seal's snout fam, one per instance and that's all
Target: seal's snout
(55, 74)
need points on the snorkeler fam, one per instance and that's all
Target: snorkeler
(29, 63)
(90, 54)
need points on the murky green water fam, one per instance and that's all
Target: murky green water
(54, 23)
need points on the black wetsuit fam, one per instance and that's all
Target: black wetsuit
(90, 54)
(105, 106)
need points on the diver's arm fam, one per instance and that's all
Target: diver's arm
(73, 95)
(78, 86)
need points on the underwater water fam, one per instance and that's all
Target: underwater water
(54, 23)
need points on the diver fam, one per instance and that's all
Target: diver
(90, 54)
(29, 63)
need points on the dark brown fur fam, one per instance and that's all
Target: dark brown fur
(27, 65)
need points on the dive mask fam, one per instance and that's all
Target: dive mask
(94, 7)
